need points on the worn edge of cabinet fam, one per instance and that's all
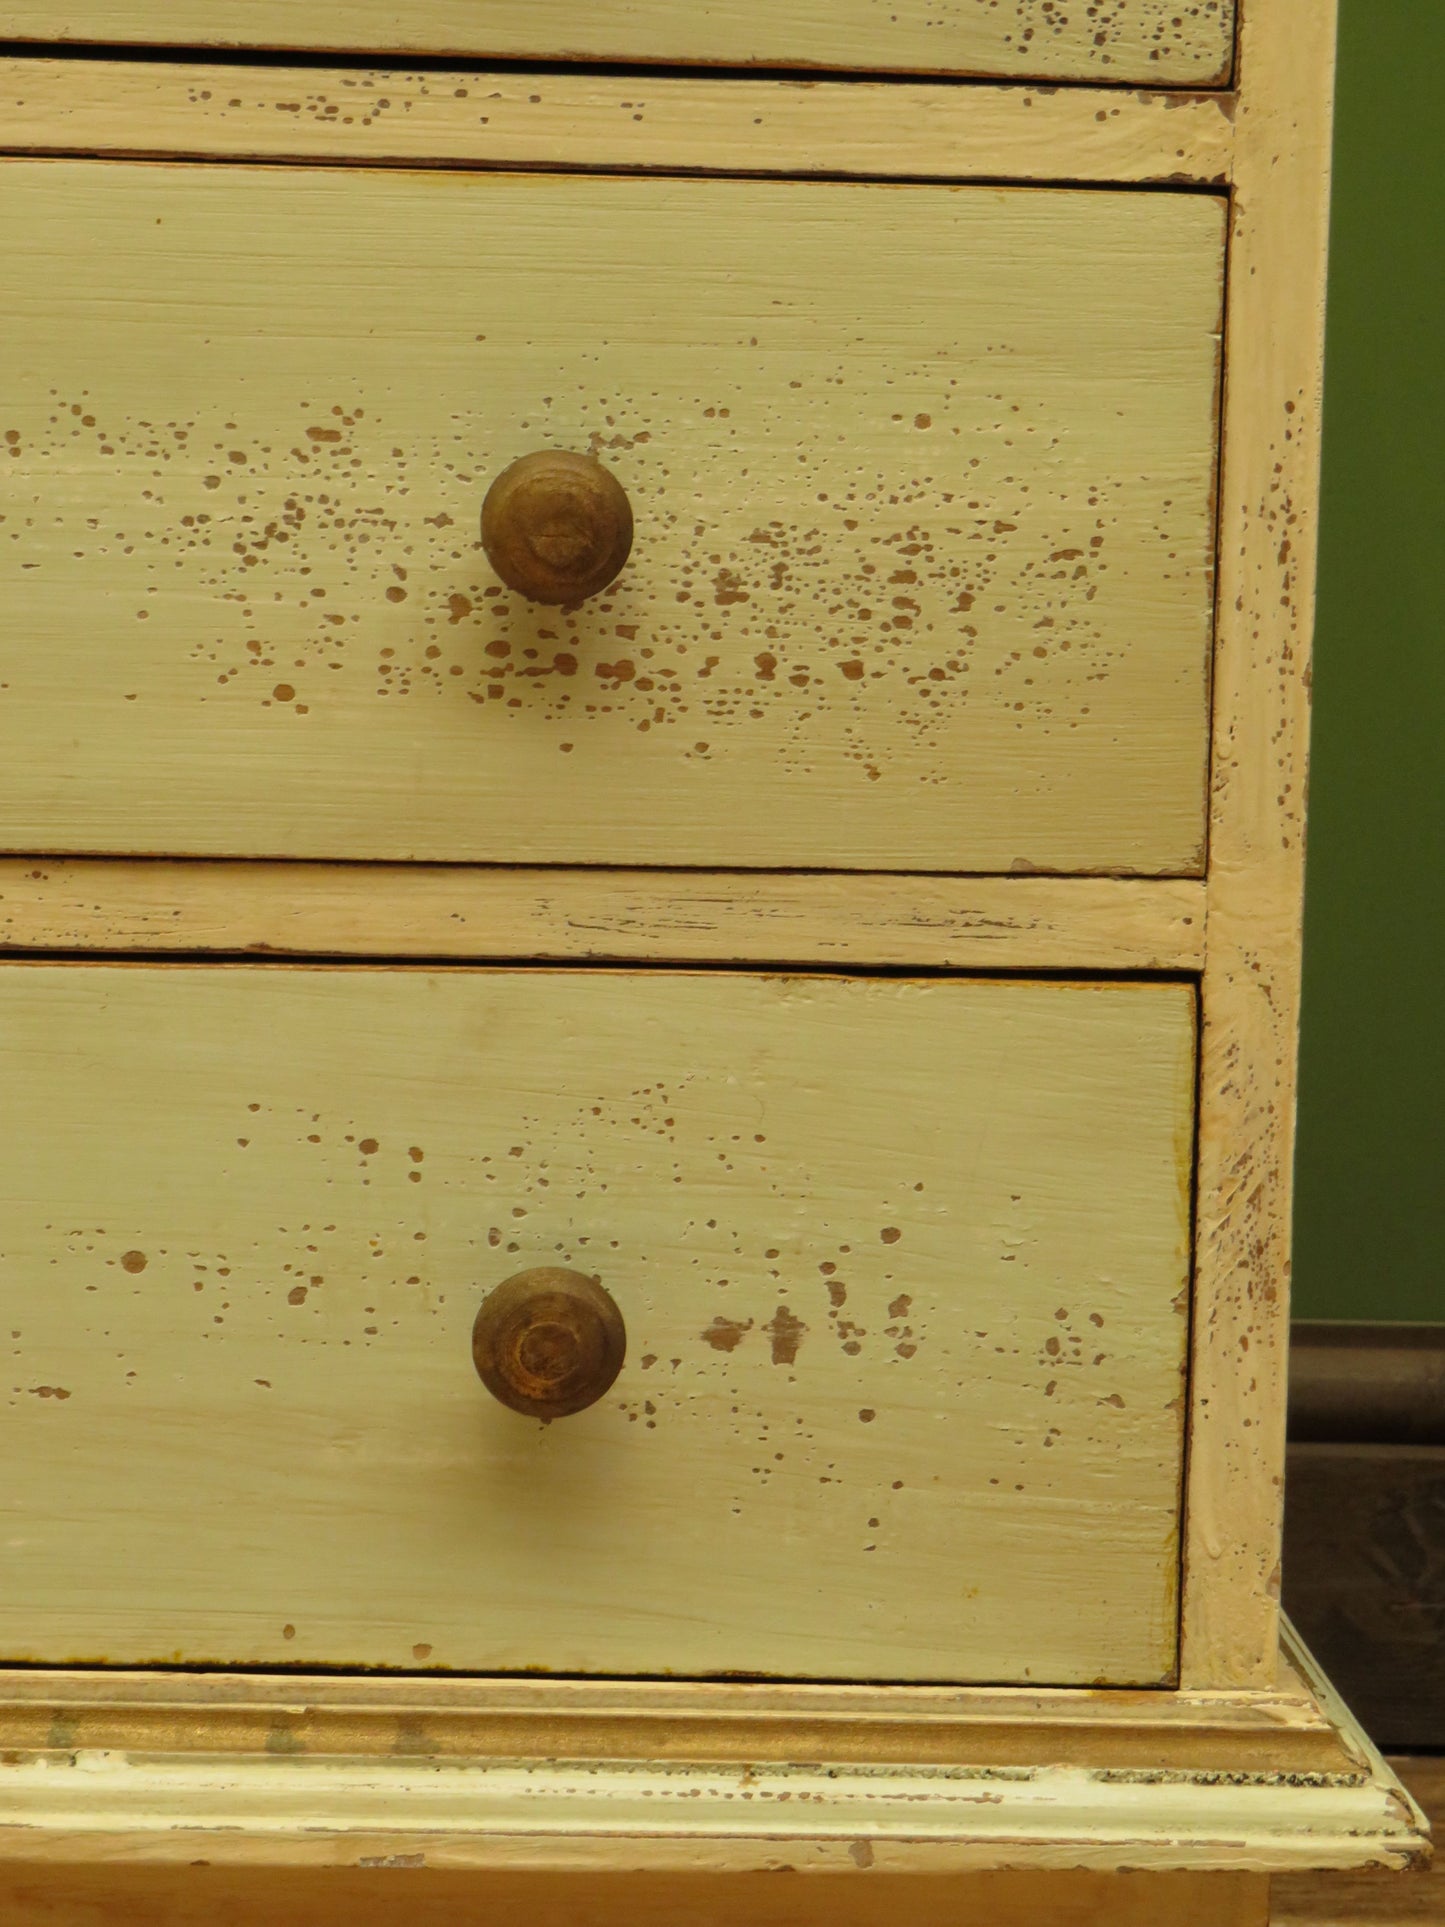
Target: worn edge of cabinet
(1267, 517)
(648, 916)
(285, 1807)
(1282, 1730)
(507, 119)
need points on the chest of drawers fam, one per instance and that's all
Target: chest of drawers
(807, 1012)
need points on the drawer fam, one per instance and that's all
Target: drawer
(922, 482)
(1154, 42)
(902, 1265)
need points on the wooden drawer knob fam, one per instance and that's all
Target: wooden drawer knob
(557, 527)
(548, 1342)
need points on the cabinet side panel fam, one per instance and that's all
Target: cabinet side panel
(1269, 499)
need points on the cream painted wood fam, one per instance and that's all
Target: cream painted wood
(70, 1806)
(917, 584)
(425, 910)
(609, 1817)
(903, 1264)
(1151, 42)
(1269, 501)
(556, 119)
(326, 1897)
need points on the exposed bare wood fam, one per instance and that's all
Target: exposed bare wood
(282, 1809)
(423, 910)
(558, 1815)
(1156, 42)
(1261, 722)
(163, 1896)
(575, 120)
(1281, 1730)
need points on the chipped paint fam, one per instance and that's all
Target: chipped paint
(602, 1814)
(1250, 990)
(1175, 42)
(957, 590)
(896, 1351)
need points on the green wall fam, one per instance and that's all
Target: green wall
(1370, 1207)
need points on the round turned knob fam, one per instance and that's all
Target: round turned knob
(548, 1342)
(557, 527)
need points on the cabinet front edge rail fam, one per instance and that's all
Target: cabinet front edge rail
(438, 910)
(529, 120)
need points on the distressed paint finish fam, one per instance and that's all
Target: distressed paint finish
(69, 1808)
(918, 584)
(611, 1816)
(1152, 42)
(922, 1386)
(552, 119)
(445, 1716)
(1269, 501)
(442, 910)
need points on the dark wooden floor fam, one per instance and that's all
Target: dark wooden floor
(1375, 1900)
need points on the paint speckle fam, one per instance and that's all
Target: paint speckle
(726, 1334)
(785, 1330)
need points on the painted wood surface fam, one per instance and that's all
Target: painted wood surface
(917, 584)
(448, 1716)
(559, 1815)
(1154, 42)
(1269, 502)
(305, 1897)
(69, 1807)
(442, 910)
(549, 118)
(903, 1266)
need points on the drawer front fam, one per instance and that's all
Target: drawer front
(903, 1267)
(1156, 42)
(922, 481)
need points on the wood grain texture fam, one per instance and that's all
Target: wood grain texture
(428, 910)
(556, 527)
(1151, 42)
(561, 1816)
(873, 1241)
(918, 584)
(1269, 500)
(436, 1716)
(550, 119)
(69, 1807)
(414, 1897)
(548, 1342)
